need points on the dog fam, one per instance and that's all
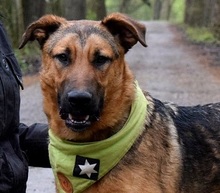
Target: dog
(106, 134)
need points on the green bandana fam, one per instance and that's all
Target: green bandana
(77, 166)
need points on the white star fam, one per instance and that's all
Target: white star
(87, 169)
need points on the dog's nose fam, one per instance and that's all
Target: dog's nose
(79, 97)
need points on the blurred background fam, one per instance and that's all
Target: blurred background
(192, 16)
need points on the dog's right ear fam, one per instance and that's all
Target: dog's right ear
(126, 29)
(41, 29)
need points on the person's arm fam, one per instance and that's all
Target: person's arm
(34, 142)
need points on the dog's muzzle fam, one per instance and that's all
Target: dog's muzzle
(79, 109)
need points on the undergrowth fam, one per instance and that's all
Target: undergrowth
(29, 58)
(200, 35)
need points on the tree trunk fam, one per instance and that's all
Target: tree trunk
(32, 10)
(123, 6)
(74, 9)
(100, 9)
(55, 7)
(216, 19)
(20, 21)
(166, 9)
(186, 13)
(208, 12)
(194, 12)
(11, 22)
(157, 9)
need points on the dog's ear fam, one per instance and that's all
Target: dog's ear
(41, 29)
(126, 29)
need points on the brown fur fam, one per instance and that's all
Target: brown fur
(81, 71)
(155, 163)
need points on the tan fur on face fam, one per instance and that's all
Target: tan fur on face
(119, 91)
(83, 39)
(113, 37)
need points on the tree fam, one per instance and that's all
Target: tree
(11, 12)
(74, 9)
(20, 21)
(32, 10)
(55, 7)
(216, 19)
(194, 15)
(124, 6)
(200, 13)
(208, 12)
(131, 6)
(203, 13)
(100, 9)
(166, 9)
(157, 9)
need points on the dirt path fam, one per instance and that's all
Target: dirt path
(172, 71)
(168, 69)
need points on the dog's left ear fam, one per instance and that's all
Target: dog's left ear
(41, 29)
(126, 29)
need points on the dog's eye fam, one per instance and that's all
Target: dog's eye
(63, 58)
(101, 60)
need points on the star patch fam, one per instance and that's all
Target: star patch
(87, 168)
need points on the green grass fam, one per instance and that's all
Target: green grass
(200, 35)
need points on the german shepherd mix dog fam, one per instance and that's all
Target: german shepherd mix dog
(106, 135)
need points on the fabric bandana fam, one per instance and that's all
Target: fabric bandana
(76, 166)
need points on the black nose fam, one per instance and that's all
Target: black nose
(78, 98)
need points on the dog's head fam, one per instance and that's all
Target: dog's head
(86, 85)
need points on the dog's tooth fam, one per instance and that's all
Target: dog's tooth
(70, 117)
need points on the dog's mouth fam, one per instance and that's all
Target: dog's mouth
(78, 123)
(78, 119)
(79, 109)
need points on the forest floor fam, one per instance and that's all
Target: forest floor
(171, 69)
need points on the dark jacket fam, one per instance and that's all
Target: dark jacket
(13, 135)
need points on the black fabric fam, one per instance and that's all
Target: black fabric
(13, 163)
(13, 167)
(9, 83)
(34, 142)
